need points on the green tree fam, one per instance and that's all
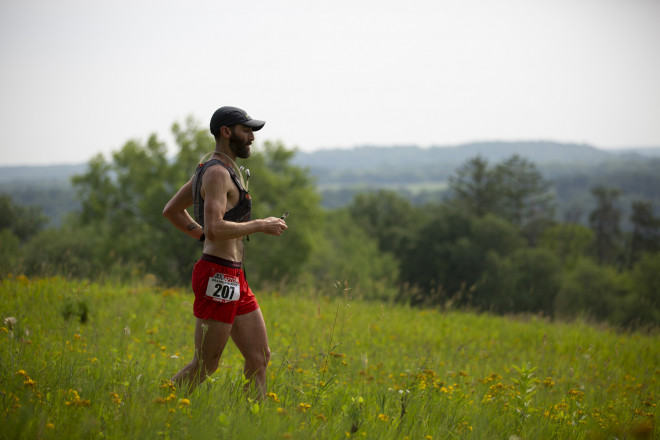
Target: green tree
(592, 291)
(513, 190)
(21, 221)
(539, 280)
(72, 251)
(644, 302)
(10, 253)
(526, 199)
(568, 241)
(387, 217)
(123, 199)
(605, 222)
(348, 255)
(474, 188)
(448, 256)
(645, 237)
(278, 186)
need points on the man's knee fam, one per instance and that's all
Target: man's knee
(208, 362)
(259, 359)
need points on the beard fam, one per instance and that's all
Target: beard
(239, 148)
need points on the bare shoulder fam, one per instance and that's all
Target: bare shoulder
(216, 179)
(216, 173)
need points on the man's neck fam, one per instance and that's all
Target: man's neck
(224, 152)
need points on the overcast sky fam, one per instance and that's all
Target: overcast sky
(81, 77)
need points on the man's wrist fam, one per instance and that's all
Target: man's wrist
(202, 237)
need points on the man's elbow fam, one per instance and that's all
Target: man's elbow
(168, 211)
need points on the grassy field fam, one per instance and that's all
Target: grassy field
(81, 360)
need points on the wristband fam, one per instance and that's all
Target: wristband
(202, 237)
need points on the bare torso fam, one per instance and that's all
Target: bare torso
(227, 248)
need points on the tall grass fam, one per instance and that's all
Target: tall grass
(86, 360)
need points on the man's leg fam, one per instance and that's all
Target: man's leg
(210, 340)
(249, 335)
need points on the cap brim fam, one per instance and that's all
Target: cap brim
(254, 124)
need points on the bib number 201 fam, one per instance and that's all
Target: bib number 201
(223, 288)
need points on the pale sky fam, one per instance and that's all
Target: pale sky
(81, 77)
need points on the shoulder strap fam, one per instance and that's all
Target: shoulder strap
(198, 201)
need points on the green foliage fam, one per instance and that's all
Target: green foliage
(605, 221)
(644, 301)
(525, 385)
(340, 368)
(513, 190)
(590, 290)
(348, 255)
(75, 308)
(9, 253)
(493, 245)
(474, 189)
(645, 236)
(22, 221)
(450, 252)
(125, 197)
(387, 217)
(277, 186)
(568, 241)
(76, 252)
(122, 201)
(55, 196)
(525, 281)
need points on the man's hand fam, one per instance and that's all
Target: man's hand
(273, 226)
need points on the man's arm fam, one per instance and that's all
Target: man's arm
(175, 211)
(215, 187)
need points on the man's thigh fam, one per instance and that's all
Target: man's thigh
(249, 334)
(211, 337)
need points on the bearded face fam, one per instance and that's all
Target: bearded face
(240, 141)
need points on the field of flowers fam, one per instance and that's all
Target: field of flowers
(89, 360)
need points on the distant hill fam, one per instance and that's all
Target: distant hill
(369, 158)
(422, 173)
(52, 173)
(539, 152)
(46, 186)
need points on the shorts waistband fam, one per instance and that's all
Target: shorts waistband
(221, 261)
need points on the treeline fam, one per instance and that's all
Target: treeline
(492, 244)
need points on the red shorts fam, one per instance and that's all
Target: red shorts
(217, 284)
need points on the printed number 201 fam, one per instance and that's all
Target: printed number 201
(223, 291)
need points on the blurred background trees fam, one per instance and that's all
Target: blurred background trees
(491, 243)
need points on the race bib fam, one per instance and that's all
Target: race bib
(223, 288)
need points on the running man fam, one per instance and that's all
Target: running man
(224, 304)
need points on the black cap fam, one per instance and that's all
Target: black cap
(228, 116)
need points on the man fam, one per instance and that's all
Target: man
(224, 304)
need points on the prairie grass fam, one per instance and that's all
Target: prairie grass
(87, 360)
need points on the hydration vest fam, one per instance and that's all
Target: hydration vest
(239, 213)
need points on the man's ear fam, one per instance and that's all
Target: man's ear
(225, 131)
